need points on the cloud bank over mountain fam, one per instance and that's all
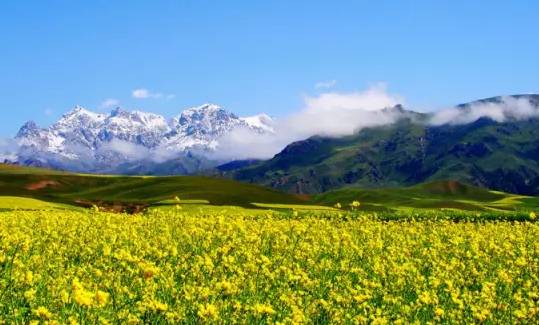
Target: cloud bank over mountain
(336, 114)
(331, 114)
(500, 110)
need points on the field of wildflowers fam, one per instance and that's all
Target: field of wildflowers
(229, 266)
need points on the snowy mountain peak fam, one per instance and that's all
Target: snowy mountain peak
(86, 141)
(205, 112)
(117, 111)
(77, 117)
(29, 128)
(204, 108)
(81, 111)
(140, 117)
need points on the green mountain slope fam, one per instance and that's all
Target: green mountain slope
(502, 156)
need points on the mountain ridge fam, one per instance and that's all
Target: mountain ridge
(82, 140)
(491, 142)
(499, 150)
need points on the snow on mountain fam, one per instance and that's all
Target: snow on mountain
(86, 141)
(200, 127)
(261, 121)
(137, 127)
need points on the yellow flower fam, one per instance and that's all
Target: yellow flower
(156, 305)
(533, 216)
(107, 250)
(208, 311)
(227, 287)
(263, 309)
(83, 298)
(29, 277)
(80, 295)
(439, 312)
(355, 204)
(149, 270)
(64, 296)
(30, 294)
(43, 313)
(101, 298)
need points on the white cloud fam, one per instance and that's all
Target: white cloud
(325, 84)
(507, 108)
(328, 114)
(109, 103)
(339, 114)
(129, 150)
(143, 93)
(135, 152)
(243, 143)
(374, 98)
(8, 150)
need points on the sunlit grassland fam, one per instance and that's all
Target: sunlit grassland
(192, 263)
(21, 203)
(309, 207)
(148, 191)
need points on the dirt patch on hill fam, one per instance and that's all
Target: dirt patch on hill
(41, 185)
(117, 207)
(303, 197)
(454, 187)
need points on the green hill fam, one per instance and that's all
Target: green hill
(495, 155)
(122, 191)
(434, 195)
(26, 188)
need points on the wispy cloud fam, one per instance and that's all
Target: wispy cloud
(329, 114)
(135, 152)
(143, 93)
(325, 84)
(507, 108)
(109, 103)
(48, 112)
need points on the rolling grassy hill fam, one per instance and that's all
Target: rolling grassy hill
(433, 195)
(29, 188)
(82, 189)
(9, 203)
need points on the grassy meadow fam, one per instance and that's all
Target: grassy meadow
(264, 257)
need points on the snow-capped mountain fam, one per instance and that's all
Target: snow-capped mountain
(86, 141)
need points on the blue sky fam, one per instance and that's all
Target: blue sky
(258, 56)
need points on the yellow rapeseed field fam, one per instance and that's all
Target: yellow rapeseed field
(233, 267)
